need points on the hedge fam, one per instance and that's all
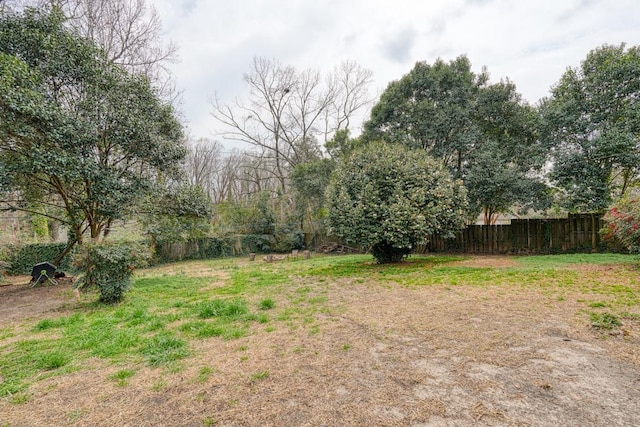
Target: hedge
(21, 259)
(204, 248)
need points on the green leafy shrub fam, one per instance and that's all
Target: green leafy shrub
(390, 199)
(3, 269)
(109, 265)
(623, 225)
(178, 214)
(202, 248)
(21, 259)
(259, 243)
(213, 247)
(288, 239)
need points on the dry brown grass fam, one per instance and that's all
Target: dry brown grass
(383, 355)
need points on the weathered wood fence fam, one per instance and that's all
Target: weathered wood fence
(578, 232)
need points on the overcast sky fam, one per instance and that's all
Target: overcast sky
(530, 42)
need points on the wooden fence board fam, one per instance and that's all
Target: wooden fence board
(575, 233)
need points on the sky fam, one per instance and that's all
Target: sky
(530, 42)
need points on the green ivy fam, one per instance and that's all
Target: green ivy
(213, 247)
(21, 259)
(202, 248)
(258, 243)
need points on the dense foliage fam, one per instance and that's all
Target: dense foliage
(177, 214)
(21, 259)
(80, 136)
(498, 182)
(593, 120)
(389, 198)
(76, 131)
(109, 265)
(457, 116)
(309, 182)
(623, 224)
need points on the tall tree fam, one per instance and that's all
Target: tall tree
(77, 131)
(309, 181)
(503, 170)
(290, 112)
(129, 32)
(592, 121)
(457, 116)
(433, 107)
(498, 183)
(203, 163)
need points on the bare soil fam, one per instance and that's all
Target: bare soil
(384, 356)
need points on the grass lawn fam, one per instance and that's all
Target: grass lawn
(211, 341)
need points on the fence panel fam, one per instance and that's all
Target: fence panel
(578, 232)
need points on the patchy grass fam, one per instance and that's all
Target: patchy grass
(605, 321)
(262, 375)
(555, 261)
(122, 376)
(163, 348)
(267, 304)
(172, 309)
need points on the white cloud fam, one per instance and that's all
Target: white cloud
(532, 43)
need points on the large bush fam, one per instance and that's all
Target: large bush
(623, 225)
(109, 266)
(390, 198)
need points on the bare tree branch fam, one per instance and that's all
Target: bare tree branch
(289, 111)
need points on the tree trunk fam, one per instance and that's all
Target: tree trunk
(70, 246)
(54, 229)
(594, 232)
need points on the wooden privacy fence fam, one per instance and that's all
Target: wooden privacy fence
(578, 232)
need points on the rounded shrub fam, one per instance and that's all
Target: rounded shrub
(109, 266)
(389, 198)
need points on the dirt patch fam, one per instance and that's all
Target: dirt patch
(382, 356)
(19, 301)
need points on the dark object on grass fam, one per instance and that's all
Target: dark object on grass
(42, 272)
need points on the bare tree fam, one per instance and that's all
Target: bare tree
(129, 32)
(289, 111)
(232, 176)
(203, 163)
(350, 84)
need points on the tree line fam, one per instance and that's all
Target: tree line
(89, 136)
(574, 151)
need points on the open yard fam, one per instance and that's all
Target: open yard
(332, 341)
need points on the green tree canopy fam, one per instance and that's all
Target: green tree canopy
(592, 120)
(433, 108)
(455, 115)
(390, 198)
(309, 182)
(495, 182)
(177, 213)
(76, 131)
